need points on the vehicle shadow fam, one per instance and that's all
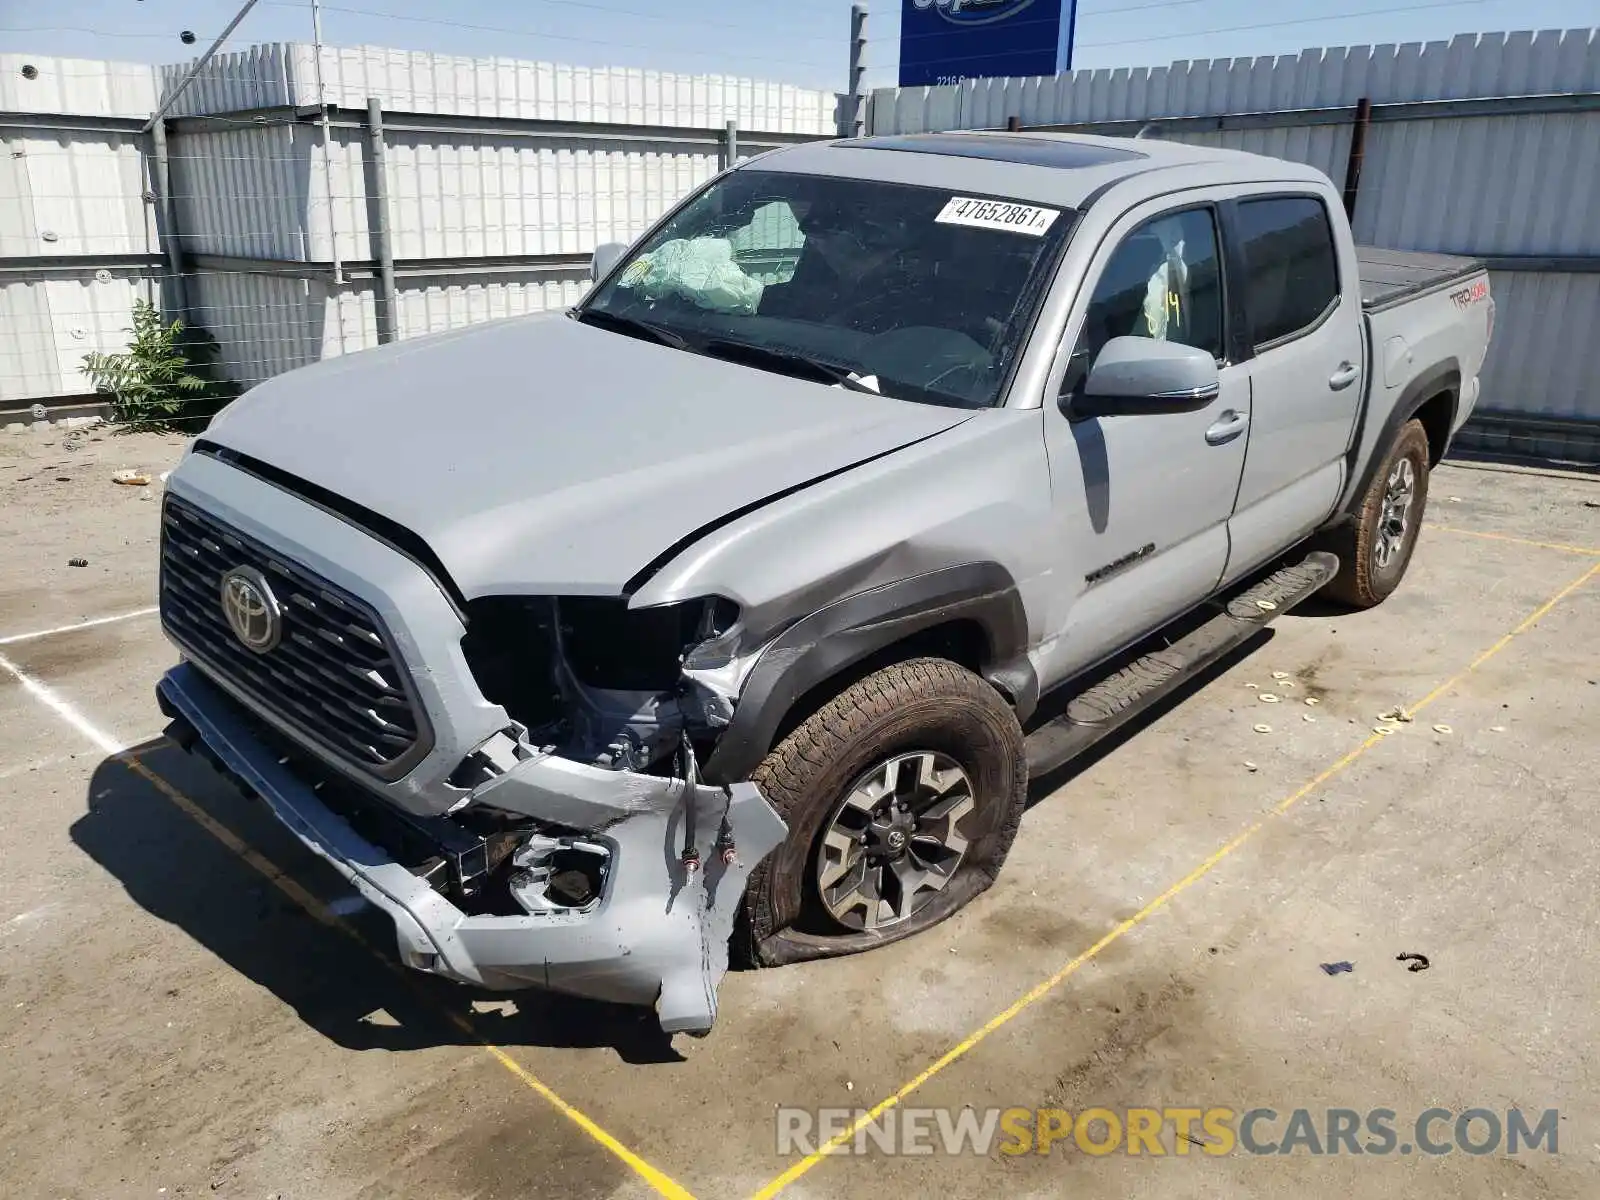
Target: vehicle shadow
(1042, 786)
(352, 990)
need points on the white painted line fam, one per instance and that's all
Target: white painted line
(39, 633)
(38, 764)
(62, 707)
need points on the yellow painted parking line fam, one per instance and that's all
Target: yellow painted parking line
(658, 1179)
(1515, 541)
(1040, 990)
(47, 696)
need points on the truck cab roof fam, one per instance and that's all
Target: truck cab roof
(1065, 169)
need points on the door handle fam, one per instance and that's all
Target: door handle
(1347, 374)
(1228, 426)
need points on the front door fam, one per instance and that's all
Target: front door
(1141, 503)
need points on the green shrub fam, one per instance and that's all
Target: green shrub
(166, 375)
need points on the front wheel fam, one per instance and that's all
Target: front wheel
(1375, 549)
(903, 795)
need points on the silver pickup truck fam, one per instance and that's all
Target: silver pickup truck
(733, 608)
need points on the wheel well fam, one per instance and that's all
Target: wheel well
(962, 642)
(1436, 414)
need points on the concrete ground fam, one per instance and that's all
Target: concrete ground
(190, 1004)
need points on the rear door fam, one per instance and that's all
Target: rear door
(1301, 295)
(1141, 503)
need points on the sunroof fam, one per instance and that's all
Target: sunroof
(1033, 151)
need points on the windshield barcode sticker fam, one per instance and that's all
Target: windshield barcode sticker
(998, 214)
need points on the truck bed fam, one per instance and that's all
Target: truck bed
(1390, 276)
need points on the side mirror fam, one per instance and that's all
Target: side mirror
(1134, 375)
(604, 258)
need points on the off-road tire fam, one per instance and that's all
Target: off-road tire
(1361, 582)
(923, 704)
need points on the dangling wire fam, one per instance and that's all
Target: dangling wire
(691, 777)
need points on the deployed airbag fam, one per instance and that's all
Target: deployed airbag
(699, 270)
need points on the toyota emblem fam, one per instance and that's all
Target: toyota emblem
(251, 608)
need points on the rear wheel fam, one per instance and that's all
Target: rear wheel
(903, 795)
(1375, 549)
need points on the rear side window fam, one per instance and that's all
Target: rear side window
(1292, 271)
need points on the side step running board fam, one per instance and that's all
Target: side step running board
(1125, 693)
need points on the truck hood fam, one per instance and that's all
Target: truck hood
(544, 456)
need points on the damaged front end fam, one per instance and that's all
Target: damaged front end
(579, 850)
(601, 683)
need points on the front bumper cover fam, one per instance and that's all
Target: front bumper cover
(658, 934)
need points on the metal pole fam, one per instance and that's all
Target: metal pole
(327, 140)
(199, 64)
(166, 223)
(389, 301)
(1358, 153)
(730, 144)
(855, 99)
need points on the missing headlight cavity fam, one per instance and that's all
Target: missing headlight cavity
(599, 682)
(610, 646)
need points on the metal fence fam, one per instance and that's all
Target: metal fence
(297, 213)
(282, 212)
(1486, 145)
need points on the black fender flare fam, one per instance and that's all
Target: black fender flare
(818, 647)
(1444, 377)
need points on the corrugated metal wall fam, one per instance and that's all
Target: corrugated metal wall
(51, 320)
(69, 193)
(452, 195)
(87, 86)
(264, 190)
(269, 191)
(420, 82)
(1493, 186)
(269, 324)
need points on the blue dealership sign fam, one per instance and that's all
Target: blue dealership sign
(946, 41)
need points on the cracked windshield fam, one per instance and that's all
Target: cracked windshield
(912, 292)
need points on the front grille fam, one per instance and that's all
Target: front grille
(332, 675)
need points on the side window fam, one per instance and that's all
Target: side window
(1293, 272)
(1163, 282)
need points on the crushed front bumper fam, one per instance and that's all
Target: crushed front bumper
(656, 935)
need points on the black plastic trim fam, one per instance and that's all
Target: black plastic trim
(1236, 274)
(258, 703)
(830, 640)
(1444, 377)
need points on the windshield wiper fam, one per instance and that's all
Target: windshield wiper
(631, 326)
(792, 363)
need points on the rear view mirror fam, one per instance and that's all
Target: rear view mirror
(604, 258)
(1135, 375)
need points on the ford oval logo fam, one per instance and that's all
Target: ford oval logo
(975, 12)
(251, 609)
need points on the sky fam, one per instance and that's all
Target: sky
(794, 41)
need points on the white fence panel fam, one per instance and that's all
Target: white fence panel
(83, 86)
(51, 321)
(257, 185)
